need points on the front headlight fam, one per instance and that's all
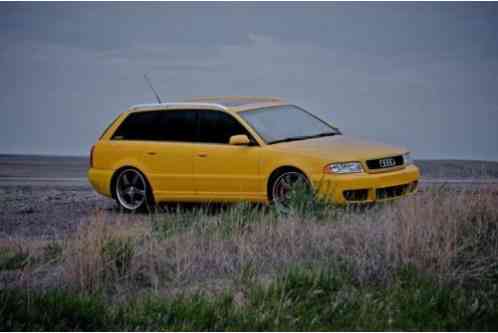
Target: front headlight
(407, 159)
(349, 167)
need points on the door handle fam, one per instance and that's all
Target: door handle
(202, 154)
(151, 153)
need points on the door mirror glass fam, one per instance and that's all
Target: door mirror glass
(239, 140)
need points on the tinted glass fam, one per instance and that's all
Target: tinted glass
(178, 125)
(159, 126)
(218, 127)
(139, 126)
(285, 122)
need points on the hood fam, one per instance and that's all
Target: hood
(339, 148)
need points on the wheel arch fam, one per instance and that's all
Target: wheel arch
(118, 171)
(278, 171)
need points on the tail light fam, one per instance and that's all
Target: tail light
(91, 156)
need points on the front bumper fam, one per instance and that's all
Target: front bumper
(367, 187)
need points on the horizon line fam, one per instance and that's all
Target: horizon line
(88, 156)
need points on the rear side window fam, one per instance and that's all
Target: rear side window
(158, 126)
(139, 126)
(218, 127)
(178, 125)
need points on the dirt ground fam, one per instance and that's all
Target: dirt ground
(49, 196)
(47, 210)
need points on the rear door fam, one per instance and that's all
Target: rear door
(162, 143)
(224, 171)
(171, 156)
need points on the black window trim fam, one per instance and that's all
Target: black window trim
(252, 140)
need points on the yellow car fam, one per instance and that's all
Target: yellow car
(229, 149)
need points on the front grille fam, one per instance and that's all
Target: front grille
(385, 163)
(356, 195)
(392, 191)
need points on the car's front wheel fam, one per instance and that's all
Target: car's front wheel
(131, 190)
(286, 185)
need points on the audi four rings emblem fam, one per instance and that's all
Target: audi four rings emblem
(387, 162)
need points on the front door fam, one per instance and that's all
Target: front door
(223, 171)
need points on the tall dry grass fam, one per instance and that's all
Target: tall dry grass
(450, 236)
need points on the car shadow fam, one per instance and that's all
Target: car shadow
(186, 207)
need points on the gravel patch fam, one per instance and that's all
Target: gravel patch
(47, 211)
(47, 197)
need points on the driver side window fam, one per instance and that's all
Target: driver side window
(218, 127)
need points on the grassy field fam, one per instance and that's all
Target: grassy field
(427, 262)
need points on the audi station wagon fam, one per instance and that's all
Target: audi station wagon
(232, 149)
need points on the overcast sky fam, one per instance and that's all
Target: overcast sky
(420, 75)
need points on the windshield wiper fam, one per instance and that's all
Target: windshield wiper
(292, 138)
(322, 134)
(303, 137)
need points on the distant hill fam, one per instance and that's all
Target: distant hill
(456, 169)
(76, 167)
(43, 166)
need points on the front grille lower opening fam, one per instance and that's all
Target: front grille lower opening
(356, 195)
(392, 191)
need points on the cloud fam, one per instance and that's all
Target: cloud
(60, 95)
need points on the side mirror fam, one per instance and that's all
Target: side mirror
(239, 140)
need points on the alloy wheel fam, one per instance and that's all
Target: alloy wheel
(131, 189)
(285, 184)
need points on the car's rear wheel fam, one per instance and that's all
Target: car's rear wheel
(131, 190)
(285, 184)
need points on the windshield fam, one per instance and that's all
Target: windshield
(287, 123)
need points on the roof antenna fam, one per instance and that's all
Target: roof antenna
(152, 88)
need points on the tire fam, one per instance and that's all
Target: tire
(283, 183)
(132, 191)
